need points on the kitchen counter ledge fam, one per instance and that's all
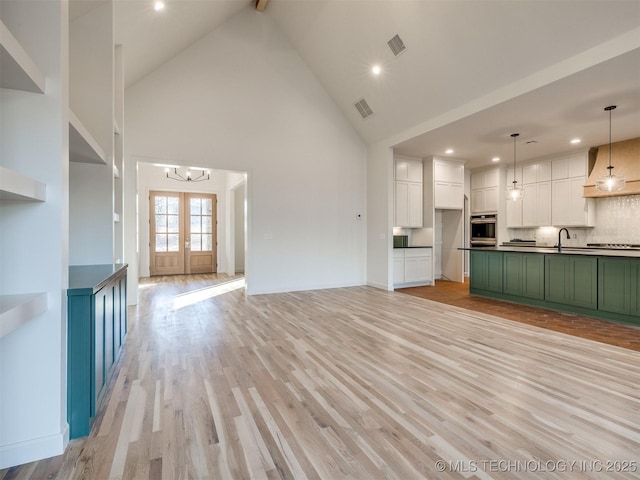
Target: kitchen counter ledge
(596, 252)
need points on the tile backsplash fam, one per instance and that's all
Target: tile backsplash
(617, 221)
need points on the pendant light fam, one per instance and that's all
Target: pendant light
(610, 182)
(514, 192)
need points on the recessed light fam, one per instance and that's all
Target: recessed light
(448, 151)
(376, 69)
(576, 140)
(158, 5)
(495, 159)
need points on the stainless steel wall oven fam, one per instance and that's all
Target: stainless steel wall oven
(483, 230)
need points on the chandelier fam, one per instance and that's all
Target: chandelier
(175, 175)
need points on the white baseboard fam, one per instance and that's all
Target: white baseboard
(32, 450)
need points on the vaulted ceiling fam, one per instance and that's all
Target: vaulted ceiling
(473, 71)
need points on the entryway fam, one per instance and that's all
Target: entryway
(182, 233)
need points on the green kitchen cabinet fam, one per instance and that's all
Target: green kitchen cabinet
(524, 275)
(486, 271)
(619, 285)
(572, 280)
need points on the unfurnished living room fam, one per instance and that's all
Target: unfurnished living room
(319, 239)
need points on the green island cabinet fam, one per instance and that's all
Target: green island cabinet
(572, 280)
(96, 330)
(486, 268)
(524, 275)
(619, 285)
(600, 286)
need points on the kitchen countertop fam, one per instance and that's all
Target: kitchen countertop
(591, 251)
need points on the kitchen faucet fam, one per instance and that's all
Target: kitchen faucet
(560, 238)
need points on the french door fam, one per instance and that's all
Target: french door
(182, 233)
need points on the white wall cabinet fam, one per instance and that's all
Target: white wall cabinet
(412, 267)
(536, 205)
(569, 207)
(408, 193)
(448, 184)
(484, 191)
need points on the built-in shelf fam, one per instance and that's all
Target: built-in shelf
(15, 186)
(17, 70)
(116, 127)
(116, 217)
(83, 148)
(16, 310)
(116, 172)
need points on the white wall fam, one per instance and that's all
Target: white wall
(242, 99)
(238, 212)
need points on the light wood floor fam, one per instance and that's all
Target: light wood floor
(352, 383)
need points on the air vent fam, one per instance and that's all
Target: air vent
(363, 108)
(396, 45)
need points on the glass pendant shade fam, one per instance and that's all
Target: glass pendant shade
(514, 192)
(610, 182)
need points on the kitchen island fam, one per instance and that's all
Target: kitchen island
(600, 283)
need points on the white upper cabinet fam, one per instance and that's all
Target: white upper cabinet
(484, 191)
(568, 206)
(408, 193)
(448, 184)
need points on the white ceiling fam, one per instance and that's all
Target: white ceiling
(473, 72)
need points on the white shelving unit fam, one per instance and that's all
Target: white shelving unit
(15, 186)
(83, 148)
(18, 72)
(16, 310)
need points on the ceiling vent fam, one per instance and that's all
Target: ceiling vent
(363, 108)
(396, 45)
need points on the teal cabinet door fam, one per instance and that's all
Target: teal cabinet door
(635, 290)
(486, 271)
(524, 275)
(572, 280)
(99, 376)
(614, 285)
(556, 279)
(494, 271)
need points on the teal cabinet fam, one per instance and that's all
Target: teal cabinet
(635, 290)
(572, 280)
(486, 271)
(524, 275)
(96, 329)
(619, 286)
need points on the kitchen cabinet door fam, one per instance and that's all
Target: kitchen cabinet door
(514, 213)
(415, 205)
(572, 280)
(524, 275)
(398, 266)
(401, 204)
(614, 285)
(486, 271)
(635, 290)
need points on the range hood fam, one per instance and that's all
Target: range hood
(625, 158)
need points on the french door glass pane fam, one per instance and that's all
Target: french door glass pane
(206, 242)
(195, 224)
(160, 205)
(206, 206)
(174, 238)
(206, 224)
(161, 243)
(196, 243)
(174, 223)
(173, 206)
(161, 223)
(195, 206)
